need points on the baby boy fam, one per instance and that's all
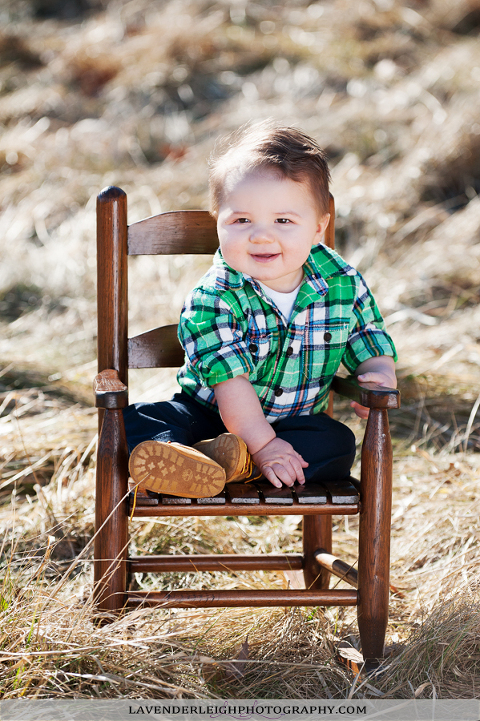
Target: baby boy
(264, 332)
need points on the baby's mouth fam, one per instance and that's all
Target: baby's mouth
(264, 257)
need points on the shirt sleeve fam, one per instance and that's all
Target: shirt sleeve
(213, 339)
(367, 337)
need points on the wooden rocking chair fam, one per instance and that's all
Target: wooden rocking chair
(195, 232)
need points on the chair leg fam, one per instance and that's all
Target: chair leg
(111, 519)
(374, 537)
(317, 533)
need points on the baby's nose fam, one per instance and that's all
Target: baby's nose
(261, 234)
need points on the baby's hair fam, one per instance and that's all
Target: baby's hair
(265, 145)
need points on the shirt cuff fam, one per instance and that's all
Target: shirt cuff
(218, 368)
(360, 352)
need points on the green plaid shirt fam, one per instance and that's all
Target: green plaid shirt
(228, 326)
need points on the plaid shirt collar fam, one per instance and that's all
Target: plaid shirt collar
(318, 268)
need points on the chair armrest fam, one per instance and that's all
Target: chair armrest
(109, 390)
(366, 394)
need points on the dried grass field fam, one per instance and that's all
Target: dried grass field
(134, 93)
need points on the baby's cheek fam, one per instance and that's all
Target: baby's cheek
(232, 255)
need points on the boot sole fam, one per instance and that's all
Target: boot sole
(164, 468)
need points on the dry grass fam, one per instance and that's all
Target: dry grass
(135, 94)
(51, 647)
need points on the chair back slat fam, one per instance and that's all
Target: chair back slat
(330, 231)
(180, 231)
(157, 348)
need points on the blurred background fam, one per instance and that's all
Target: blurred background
(134, 93)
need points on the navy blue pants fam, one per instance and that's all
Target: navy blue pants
(327, 445)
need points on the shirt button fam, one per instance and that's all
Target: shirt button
(289, 351)
(252, 348)
(327, 336)
(278, 392)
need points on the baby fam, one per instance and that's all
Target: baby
(264, 332)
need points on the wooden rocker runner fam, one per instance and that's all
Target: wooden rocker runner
(195, 232)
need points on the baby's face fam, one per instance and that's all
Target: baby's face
(267, 225)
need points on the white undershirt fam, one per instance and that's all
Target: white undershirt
(283, 301)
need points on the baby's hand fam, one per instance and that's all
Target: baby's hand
(384, 379)
(280, 463)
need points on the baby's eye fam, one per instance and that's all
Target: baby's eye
(283, 221)
(241, 220)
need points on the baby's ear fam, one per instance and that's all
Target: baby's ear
(323, 224)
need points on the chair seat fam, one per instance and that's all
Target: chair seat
(259, 499)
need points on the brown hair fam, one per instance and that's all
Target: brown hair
(286, 150)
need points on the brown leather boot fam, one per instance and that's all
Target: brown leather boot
(175, 469)
(230, 452)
